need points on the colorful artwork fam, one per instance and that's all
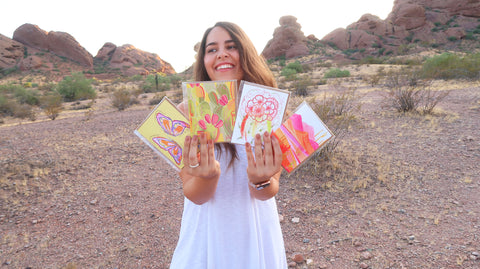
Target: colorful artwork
(301, 135)
(260, 109)
(164, 130)
(211, 106)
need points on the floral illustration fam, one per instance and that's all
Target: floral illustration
(212, 107)
(260, 110)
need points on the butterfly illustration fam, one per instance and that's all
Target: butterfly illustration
(171, 146)
(171, 127)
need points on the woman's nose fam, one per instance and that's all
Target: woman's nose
(222, 54)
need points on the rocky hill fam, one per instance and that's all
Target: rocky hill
(57, 52)
(412, 24)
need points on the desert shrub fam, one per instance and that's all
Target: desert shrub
(336, 73)
(26, 96)
(338, 113)
(76, 87)
(51, 104)
(156, 99)
(407, 92)
(23, 111)
(452, 66)
(288, 73)
(156, 83)
(452, 38)
(4, 106)
(175, 80)
(297, 66)
(300, 86)
(122, 98)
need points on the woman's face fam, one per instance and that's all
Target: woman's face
(222, 60)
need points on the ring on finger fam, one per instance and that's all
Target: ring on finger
(193, 166)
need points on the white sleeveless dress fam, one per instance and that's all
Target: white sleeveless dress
(231, 230)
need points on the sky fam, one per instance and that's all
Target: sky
(172, 28)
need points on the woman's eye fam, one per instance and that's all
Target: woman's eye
(232, 47)
(211, 50)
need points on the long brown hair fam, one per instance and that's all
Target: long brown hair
(254, 66)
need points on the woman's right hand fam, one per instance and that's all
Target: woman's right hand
(201, 171)
(200, 164)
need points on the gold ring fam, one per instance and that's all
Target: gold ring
(193, 166)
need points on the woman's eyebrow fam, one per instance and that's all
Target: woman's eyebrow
(211, 44)
(215, 43)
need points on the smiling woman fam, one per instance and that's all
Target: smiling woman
(230, 217)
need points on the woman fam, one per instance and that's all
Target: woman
(230, 217)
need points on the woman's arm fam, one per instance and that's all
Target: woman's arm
(200, 182)
(265, 166)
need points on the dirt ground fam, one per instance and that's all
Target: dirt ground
(83, 191)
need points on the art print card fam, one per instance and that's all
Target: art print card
(164, 130)
(301, 135)
(211, 108)
(260, 109)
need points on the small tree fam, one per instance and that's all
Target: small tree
(51, 104)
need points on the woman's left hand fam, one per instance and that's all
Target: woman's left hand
(267, 161)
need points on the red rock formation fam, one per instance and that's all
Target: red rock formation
(132, 61)
(63, 44)
(31, 35)
(288, 40)
(424, 20)
(59, 43)
(11, 52)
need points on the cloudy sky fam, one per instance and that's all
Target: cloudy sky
(171, 28)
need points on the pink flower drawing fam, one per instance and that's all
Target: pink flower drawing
(261, 108)
(213, 120)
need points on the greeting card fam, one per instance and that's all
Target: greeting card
(211, 108)
(164, 130)
(260, 109)
(300, 136)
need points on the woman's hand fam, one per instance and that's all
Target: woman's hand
(201, 171)
(266, 165)
(200, 164)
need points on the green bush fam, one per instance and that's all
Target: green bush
(452, 66)
(337, 73)
(452, 38)
(297, 66)
(76, 87)
(288, 73)
(26, 96)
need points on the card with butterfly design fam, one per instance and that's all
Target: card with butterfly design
(164, 130)
(211, 108)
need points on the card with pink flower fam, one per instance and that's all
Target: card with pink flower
(260, 109)
(211, 108)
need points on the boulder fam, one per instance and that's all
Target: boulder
(106, 51)
(133, 61)
(288, 40)
(63, 44)
(409, 16)
(31, 35)
(30, 63)
(11, 52)
(350, 39)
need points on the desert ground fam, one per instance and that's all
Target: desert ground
(401, 190)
